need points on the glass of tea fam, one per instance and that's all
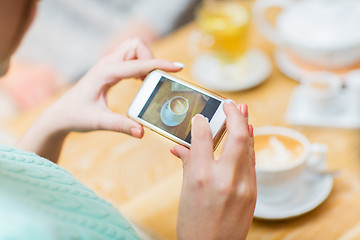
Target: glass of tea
(224, 25)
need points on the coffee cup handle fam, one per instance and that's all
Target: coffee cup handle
(318, 153)
(259, 10)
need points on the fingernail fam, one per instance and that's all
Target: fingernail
(244, 110)
(192, 120)
(200, 115)
(251, 130)
(174, 153)
(196, 115)
(135, 132)
(179, 64)
(229, 101)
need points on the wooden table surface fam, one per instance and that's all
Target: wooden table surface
(143, 179)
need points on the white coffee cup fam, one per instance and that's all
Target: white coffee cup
(279, 182)
(176, 109)
(321, 90)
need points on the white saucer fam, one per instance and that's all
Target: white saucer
(289, 68)
(165, 120)
(248, 72)
(313, 190)
(339, 115)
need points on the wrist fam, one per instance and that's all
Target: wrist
(46, 136)
(53, 121)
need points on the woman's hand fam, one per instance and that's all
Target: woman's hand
(218, 196)
(84, 107)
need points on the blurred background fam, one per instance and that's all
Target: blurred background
(68, 37)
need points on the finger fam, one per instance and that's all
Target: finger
(251, 135)
(140, 68)
(139, 51)
(238, 134)
(133, 49)
(181, 152)
(251, 144)
(201, 149)
(119, 123)
(252, 156)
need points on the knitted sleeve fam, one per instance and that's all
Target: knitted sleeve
(40, 200)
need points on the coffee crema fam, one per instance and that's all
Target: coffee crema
(277, 151)
(178, 105)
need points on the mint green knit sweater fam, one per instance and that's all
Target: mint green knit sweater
(40, 200)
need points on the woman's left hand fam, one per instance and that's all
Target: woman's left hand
(84, 107)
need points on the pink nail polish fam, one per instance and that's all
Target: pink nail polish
(251, 130)
(135, 132)
(244, 110)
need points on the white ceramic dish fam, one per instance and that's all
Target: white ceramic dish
(252, 70)
(339, 115)
(313, 190)
(317, 31)
(289, 68)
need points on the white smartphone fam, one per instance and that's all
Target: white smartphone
(166, 105)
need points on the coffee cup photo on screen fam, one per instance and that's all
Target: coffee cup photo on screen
(171, 107)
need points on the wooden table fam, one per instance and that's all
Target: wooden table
(143, 179)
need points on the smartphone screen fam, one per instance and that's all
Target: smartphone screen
(171, 106)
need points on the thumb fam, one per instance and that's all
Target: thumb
(120, 123)
(181, 152)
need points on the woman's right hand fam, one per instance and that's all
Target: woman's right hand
(218, 196)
